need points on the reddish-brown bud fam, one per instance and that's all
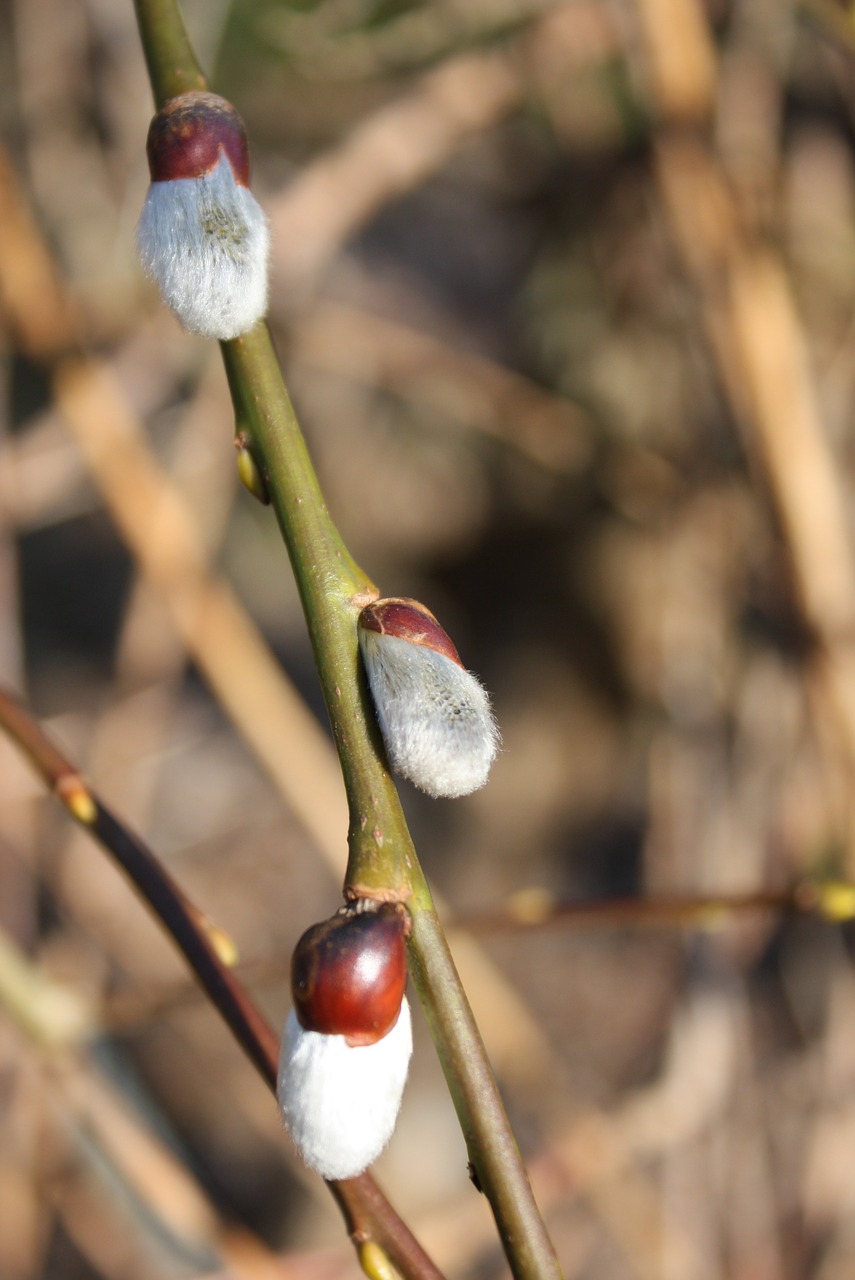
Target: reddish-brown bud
(190, 133)
(408, 620)
(348, 974)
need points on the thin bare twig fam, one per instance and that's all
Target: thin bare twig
(366, 1209)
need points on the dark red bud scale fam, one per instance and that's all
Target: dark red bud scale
(348, 975)
(408, 620)
(189, 134)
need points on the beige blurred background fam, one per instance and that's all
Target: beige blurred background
(565, 297)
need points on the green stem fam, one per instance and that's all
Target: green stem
(169, 56)
(492, 1148)
(382, 862)
(333, 590)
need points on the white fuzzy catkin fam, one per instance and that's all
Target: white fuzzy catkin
(205, 242)
(434, 716)
(340, 1102)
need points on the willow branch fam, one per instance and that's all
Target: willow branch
(382, 862)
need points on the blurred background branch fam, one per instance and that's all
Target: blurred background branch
(553, 352)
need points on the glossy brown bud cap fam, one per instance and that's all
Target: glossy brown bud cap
(348, 975)
(189, 134)
(408, 620)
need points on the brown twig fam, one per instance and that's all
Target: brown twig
(366, 1210)
(832, 900)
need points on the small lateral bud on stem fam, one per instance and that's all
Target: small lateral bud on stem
(248, 471)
